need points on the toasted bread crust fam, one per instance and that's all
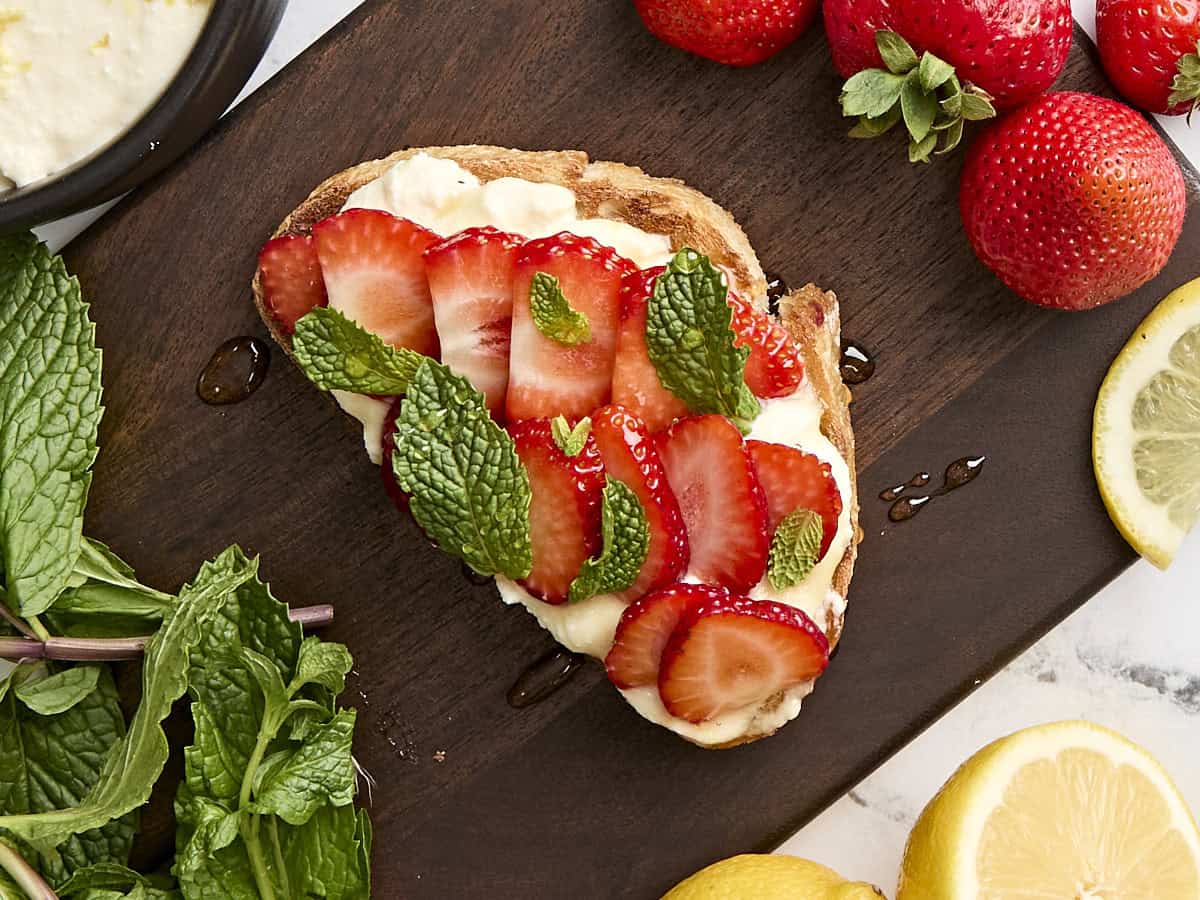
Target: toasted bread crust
(659, 206)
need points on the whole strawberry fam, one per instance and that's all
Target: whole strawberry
(1073, 200)
(936, 64)
(1149, 51)
(734, 32)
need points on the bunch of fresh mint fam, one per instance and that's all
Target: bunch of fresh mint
(266, 809)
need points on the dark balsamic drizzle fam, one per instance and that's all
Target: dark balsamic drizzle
(543, 677)
(235, 371)
(893, 493)
(777, 289)
(857, 363)
(959, 473)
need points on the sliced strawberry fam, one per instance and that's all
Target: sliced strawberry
(635, 380)
(564, 514)
(546, 378)
(774, 367)
(792, 479)
(723, 509)
(725, 655)
(388, 443)
(630, 455)
(470, 280)
(373, 272)
(645, 628)
(290, 273)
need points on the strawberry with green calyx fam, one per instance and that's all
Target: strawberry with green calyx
(922, 91)
(1008, 51)
(1149, 52)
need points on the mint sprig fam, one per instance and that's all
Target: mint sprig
(626, 537)
(553, 314)
(468, 488)
(570, 441)
(689, 338)
(795, 549)
(924, 92)
(49, 416)
(337, 353)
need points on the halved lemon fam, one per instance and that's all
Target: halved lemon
(1146, 432)
(1066, 811)
(754, 876)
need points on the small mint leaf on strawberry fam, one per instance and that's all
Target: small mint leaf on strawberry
(690, 340)
(570, 440)
(897, 53)
(922, 91)
(553, 315)
(337, 353)
(467, 486)
(795, 549)
(626, 536)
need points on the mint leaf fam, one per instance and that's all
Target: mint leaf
(49, 414)
(570, 441)
(59, 692)
(135, 763)
(112, 879)
(317, 773)
(689, 338)
(795, 549)
(468, 488)
(626, 542)
(324, 663)
(328, 856)
(52, 762)
(339, 354)
(553, 315)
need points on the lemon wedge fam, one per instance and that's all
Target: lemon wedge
(1146, 432)
(764, 877)
(1066, 811)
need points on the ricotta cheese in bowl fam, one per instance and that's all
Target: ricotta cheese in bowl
(76, 74)
(444, 197)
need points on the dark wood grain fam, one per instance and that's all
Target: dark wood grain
(578, 796)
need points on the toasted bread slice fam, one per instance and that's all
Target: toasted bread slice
(658, 206)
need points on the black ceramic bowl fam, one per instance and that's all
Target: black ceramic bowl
(233, 41)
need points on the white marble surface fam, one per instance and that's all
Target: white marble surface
(1128, 659)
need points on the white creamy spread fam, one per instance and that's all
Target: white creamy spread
(442, 196)
(76, 74)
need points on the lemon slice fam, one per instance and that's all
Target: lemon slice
(1146, 434)
(1066, 811)
(764, 877)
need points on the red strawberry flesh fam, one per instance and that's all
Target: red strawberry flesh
(792, 479)
(373, 272)
(645, 628)
(564, 511)
(290, 274)
(710, 473)
(725, 655)
(471, 287)
(547, 378)
(630, 456)
(635, 383)
(774, 367)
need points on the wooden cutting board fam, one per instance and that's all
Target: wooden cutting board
(577, 796)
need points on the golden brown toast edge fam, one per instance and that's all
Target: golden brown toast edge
(659, 206)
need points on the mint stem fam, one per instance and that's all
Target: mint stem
(24, 875)
(16, 622)
(114, 649)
